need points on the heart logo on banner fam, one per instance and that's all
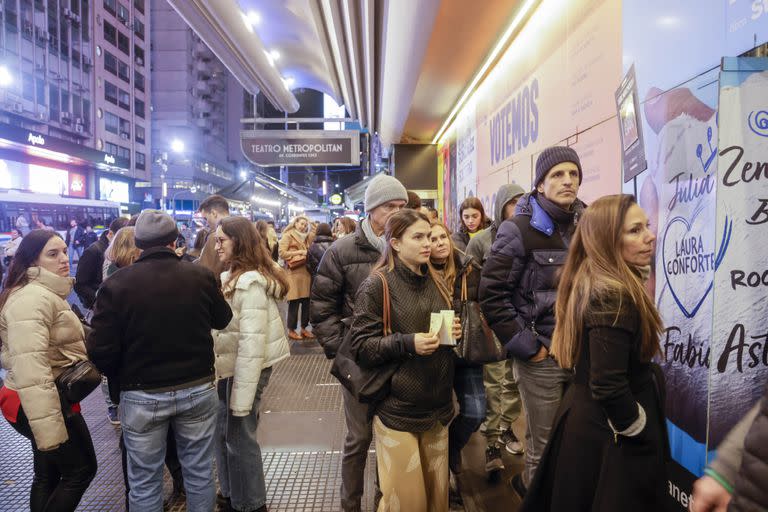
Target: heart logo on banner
(689, 292)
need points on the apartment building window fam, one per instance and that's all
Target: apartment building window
(139, 5)
(125, 100)
(110, 92)
(11, 18)
(125, 129)
(84, 20)
(124, 72)
(28, 86)
(110, 148)
(75, 58)
(53, 95)
(138, 80)
(124, 43)
(140, 134)
(124, 152)
(110, 62)
(110, 33)
(111, 6)
(141, 162)
(87, 114)
(138, 51)
(77, 106)
(64, 101)
(111, 123)
(122, 13)
(138, 107)
(40, 90)
(138, 28)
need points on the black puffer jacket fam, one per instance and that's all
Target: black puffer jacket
(518, 284)
(751, 490)
(345, 265)
(89, 271)
(316, 251)
(420, 391)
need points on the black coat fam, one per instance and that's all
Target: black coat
(751, 489)
(315, 253)
(585, 466)
(519, 279)
(345, 265)
(78, 240)
(89, 271)
(420, 392)
(152, 322)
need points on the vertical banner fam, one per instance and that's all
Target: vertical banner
(739, 370)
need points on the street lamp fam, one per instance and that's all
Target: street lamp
(177, 145)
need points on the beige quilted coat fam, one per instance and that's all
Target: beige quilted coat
(40, 336)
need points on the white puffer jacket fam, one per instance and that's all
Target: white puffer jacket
(253, 340)
(40, 336)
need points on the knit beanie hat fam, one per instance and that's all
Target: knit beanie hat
(384, 188)
(155, 229)
(552, 156)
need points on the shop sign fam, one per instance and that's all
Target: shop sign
(301, 147)
(77, 184)
(36, 140)
(30, 138)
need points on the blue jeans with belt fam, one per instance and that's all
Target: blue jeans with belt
(145, 418)
(238, 454)
(470, 393)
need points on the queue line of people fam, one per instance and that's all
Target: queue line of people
(561, 285)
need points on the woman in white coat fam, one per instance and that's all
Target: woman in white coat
(245, 351)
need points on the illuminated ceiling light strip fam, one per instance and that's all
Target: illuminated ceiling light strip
(491, 57)
(47, 153)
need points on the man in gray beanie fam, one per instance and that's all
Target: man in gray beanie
(345, 265)
(152, 333)
(518, 288)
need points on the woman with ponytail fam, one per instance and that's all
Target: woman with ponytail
(607, 450)
(411, 421)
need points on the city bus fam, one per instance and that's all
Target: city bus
(54, 210)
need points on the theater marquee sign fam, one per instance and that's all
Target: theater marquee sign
(301, 147)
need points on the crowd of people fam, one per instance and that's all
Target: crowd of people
(560, 284)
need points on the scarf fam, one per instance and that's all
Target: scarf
(565, 220)
(377, 241)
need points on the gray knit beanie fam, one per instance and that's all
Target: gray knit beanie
(552, 156)
(155, 229)
(384, 188)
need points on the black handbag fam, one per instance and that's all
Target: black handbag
(367, 385)
(77, 381)
(478, 343)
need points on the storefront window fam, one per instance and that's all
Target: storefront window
(111, 122)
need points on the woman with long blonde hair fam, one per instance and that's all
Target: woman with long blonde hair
(293, 249)
(453, 266)
(122, 251)
(608, 447)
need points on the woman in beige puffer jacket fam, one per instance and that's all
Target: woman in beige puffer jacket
(40, 337)
(245, 351)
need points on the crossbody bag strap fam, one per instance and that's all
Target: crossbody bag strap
(385, 304)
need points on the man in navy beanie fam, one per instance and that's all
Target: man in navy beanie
(518, 288)
(151, 333)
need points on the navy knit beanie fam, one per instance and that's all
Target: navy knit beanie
(552, 156)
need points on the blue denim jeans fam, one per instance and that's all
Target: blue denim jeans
(238, 454)
(145, 418)
(470, 393)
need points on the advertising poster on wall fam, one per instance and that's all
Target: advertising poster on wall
(739, 369)
(676, 49)
(549, 88)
